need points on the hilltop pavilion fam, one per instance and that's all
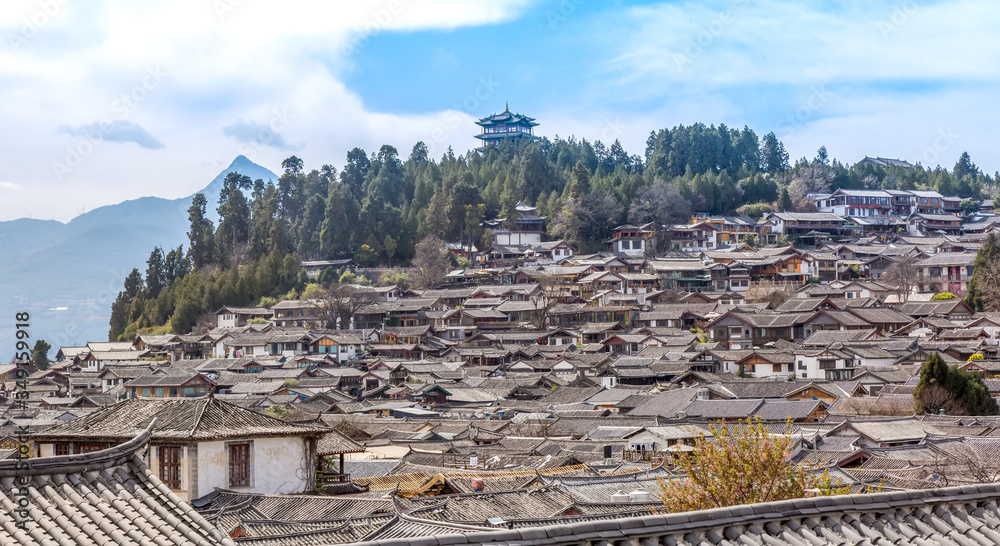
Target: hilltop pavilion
(506, 125)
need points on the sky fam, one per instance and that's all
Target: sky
(105, 101)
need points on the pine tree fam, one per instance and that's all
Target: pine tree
(987, 255)
(773, 154)
(40, 355)
(785, 202)
(200, 234)
(581, 181)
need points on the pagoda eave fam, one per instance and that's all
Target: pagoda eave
(504, 136)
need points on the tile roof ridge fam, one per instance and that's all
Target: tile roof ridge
(201, 414)
(65, 464)
(437, 523)
(372, 536)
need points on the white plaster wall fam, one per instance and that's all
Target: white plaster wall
(153, 461)
(812, 370)
(279, 466)
(874, 362)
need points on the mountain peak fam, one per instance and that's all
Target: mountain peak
(240, 161)
(243, 165)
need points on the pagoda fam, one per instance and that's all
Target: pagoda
(506, 125)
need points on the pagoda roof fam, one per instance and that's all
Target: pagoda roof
(507, 118)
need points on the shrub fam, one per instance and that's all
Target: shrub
(744, 465)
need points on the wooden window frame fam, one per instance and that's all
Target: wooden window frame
(80, 449)
(240, 463)
(170, 458)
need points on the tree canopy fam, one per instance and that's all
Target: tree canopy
(378, 206)
(952, 390)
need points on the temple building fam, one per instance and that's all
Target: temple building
(527, 228)
(505, 125)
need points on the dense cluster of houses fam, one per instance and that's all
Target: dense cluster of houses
(484, 407)
(549, 388)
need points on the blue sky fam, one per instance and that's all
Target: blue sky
(114, 100)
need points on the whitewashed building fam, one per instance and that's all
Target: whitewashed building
(198, 445)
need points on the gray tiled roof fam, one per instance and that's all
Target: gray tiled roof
(183, 419)
(106, 497)
(955, 515)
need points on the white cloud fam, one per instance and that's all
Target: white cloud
(10, 186)
(789, 42)
(119, 130)
(260, 62)
(877, 78)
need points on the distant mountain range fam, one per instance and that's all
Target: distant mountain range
(67, 275)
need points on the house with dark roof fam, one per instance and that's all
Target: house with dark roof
(102, 497)
(952, 515)
(188, 383)
(945, 272)
(953, 310)
(235, 317)
(197, 444)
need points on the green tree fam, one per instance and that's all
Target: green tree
(951, 390)
(156, 276)
(944, 296)
(773, 154)
(355, 171)
(581, 181)
(785, 202)
(394, 278)
(822, 157)
(965, 167)
(339, 221)
(389, 246)
(40, 355)
(365, 256)
(292, 165)
(200, 234)
(277, 411)
(986, 256)
(234, 217)
(969, 206)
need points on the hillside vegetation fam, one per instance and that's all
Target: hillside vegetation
(378, 207)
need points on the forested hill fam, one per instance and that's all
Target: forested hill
(376, 207)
